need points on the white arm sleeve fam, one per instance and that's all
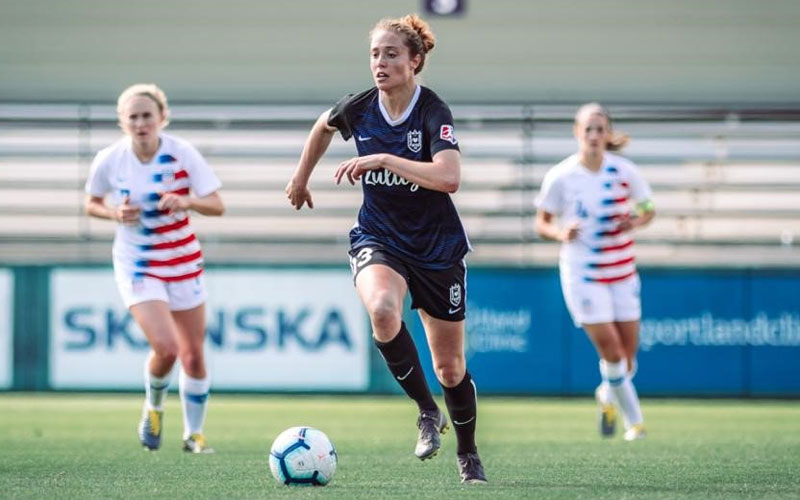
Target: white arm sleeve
(550, 198)
(97, 183)
(640, 189)
(202, 178)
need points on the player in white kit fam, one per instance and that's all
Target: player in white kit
(152, 180)
(585, 202)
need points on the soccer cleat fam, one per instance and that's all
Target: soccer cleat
(471, 468)
(635, 432)
(196, 443)
(431, 424)
(607, 415)
(150, 429)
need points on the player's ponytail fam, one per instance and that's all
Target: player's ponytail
(616, 140)
(417, 35)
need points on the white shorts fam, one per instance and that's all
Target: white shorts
(591, 303)
(179, 295)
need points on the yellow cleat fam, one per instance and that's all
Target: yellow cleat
(606, 412)
(608, 420)
(150, 429)
(636, 432)
(196, 443)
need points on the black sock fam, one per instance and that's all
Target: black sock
(401, 356)
(463, 409)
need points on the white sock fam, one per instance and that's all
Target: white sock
(603, 394)
(155, 388)
(194, 400)
(619, 381)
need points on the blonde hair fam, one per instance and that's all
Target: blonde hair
(150, 90)
(616, 140)
(416, 33)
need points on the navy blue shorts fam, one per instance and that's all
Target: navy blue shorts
(439, 292)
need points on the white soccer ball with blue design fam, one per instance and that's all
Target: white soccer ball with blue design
(302, 456)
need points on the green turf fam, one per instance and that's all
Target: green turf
(84, 446)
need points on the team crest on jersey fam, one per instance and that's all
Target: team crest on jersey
(455, 294)
(415, 140)
(446, 134)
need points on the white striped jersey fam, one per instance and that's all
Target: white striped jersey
(600, 253)
(162, 245)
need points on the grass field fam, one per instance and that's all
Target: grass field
(84, 446)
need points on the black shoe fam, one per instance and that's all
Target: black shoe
(431, 424)
(471, 468)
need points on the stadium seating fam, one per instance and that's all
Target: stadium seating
(725, 182)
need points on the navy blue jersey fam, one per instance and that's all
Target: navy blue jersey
(417, 224)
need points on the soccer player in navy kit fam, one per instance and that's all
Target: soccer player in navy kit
(408, 236)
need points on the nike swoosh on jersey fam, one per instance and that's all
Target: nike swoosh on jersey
(362, 139)
(453, 311)
(407, 374)
(464, 422)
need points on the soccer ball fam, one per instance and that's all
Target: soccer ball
(302, 456)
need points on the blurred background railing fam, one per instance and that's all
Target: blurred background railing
(726, 182)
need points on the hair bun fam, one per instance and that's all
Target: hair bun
(423, 30)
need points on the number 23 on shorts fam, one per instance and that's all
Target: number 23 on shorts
(361, 258)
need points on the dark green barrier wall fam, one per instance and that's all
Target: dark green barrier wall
(31, 327)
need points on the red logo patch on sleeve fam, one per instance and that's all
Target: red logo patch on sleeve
(446, 134)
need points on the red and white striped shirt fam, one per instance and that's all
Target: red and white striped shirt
(600, 253)
(162, 245)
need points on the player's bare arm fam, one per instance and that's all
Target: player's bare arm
(645, 212)
(124, 213)
(207, 205)
(317, 143)
(442, 174)
(547, 227)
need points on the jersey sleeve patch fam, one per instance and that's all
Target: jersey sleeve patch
(446, 134)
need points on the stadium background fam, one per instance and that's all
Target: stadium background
(707, 90)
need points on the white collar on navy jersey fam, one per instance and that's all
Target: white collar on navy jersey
(405, 114)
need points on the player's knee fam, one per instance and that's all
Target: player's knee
(192, 362)
(166, 351)
(384, 315)
(167, 359)
(450, 373)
